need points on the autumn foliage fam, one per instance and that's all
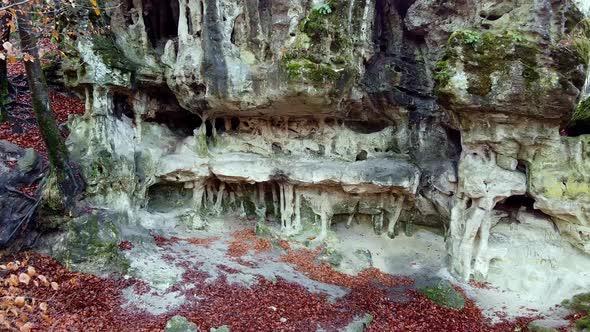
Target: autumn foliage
(18, 309)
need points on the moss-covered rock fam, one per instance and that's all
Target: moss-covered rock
(444, 294)
(507, 72)
(583, 324)
(534, 328)
(106, 47)
(322, 54)
(180, 324)
(579, 303)
(91, 244)
(263, 230)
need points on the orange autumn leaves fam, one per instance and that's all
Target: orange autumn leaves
(18, 311)
(45, 23)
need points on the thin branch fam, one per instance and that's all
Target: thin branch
(14, 4)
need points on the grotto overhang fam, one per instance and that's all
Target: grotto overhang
(357, 177)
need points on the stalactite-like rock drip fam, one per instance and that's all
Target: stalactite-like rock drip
(210, 196)
(393, 211)
(290, 205)
(483, 184)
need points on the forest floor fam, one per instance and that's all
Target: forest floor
(232, 278)
(237, 279)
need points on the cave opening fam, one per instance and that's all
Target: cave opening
(182, 121)
(454, 137)
(361, 156)
(576, 129)
(208, 130)
(235, 123)
(166, 197)
(122, 106)
(402, 6)
(521, 167)
(366, 127)
(383, 34)
(219, 125)
(127, 7)
(514, 203)
(491, 16)
(161, 20)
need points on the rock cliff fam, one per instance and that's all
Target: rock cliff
(466, 116)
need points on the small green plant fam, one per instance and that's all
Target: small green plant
(582, 111)
(324, 9)
(442, 73)
(471, 38)
(516, 37)
(579, 40)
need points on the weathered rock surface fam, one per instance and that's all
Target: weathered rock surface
(303, 113)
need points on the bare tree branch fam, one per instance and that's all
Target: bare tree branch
(15, 4)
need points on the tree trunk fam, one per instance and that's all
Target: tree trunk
(69, 180)
(4, 84)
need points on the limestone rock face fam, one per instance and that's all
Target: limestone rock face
(448, 114)
(509, 93)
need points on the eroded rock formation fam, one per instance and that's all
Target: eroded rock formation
(443, 113)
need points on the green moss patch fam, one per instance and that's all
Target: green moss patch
(180, 324)
(314, 72)
(579, 303)
(323, 52)
(488, 53)
(583, 324)
(91, 245)
(111, 54)
(444, 294)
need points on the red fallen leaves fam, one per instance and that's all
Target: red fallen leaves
(306, 261)
(30, 138)
(572, 318)
(18, 311)
(284, 244)
(16, 68)
(29, 190)
(162, 241)
(28, 135)
(86, 302)
(204, 242)
(246, 240)
(125, 245)
(481, 284)
(369, 293)
(63, 107)
(261, 307)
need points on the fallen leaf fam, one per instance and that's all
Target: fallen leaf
(19, 301)
(24, 278)
(13, 280)
(27, 327)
